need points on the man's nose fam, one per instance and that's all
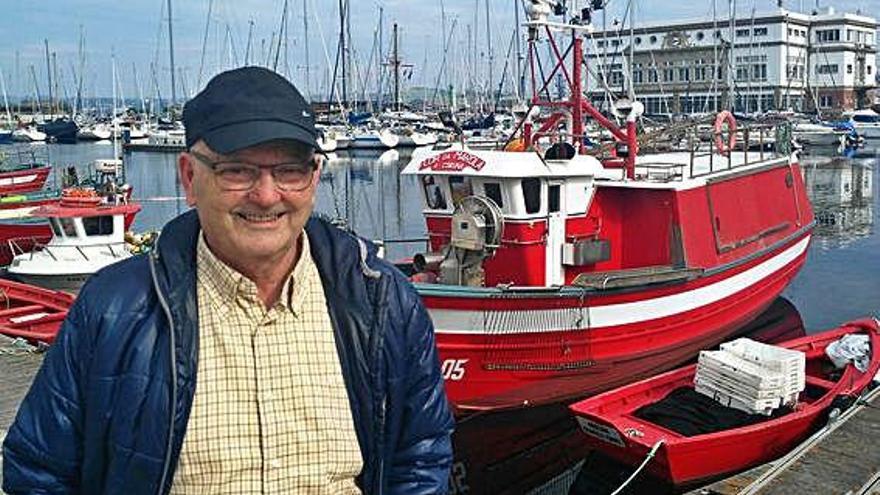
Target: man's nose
(264, 190)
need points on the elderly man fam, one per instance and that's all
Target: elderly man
(255, 350)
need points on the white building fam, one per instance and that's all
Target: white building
(780, 60)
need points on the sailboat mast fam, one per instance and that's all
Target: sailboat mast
(343, 48)
(306, 41)
(48, 72)
(171, 55)
(491, 54)
(396, 72)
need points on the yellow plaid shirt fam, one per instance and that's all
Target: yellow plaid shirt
(271, 412)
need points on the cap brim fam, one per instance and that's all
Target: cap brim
(235, 137)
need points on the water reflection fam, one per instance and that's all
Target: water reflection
(540, 450)
(842, 193)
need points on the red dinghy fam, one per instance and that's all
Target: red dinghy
(30, 312)
(615, 421)
(23, 180)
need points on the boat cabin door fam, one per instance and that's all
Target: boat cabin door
(555, 233)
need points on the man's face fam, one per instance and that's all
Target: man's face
(251, 227)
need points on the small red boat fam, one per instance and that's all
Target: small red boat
(30, 312)
(615, 423)
(19, 180)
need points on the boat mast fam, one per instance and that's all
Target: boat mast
(491, 56)
(49, 74)
(520, 80)
(306, 42)
(5, 99)
(731, 63)
(171, 56)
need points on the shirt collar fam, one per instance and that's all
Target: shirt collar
(225, 284)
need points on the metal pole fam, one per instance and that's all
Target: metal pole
(171, 56)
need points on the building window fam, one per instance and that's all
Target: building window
(761, 31)
(684, 74)
(668, 75)
(718, 34)
(637, 77)
(700, 36)
(759, 72)
(826, 101)
(600, 43)
(849, 68)
(790, 31)
(826, 69)
(652, 76)
(638, 40)
(827, 35)
(868, 69)
(742, 72)
(742, 33)
(653, 39)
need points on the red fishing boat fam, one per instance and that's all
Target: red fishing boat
(30, 312)
(560, 271)
(691, 452)
(23, 180)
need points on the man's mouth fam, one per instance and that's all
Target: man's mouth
(253, 217)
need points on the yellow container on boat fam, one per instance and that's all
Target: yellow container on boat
(13, 199)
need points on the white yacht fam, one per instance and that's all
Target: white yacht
(866, 123)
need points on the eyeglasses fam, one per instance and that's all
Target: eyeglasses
(237, 175)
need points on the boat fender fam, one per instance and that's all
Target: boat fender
(517, 144)
(720, 119)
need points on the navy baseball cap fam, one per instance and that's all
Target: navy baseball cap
(245, 107)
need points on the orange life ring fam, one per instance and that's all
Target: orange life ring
(723, 117)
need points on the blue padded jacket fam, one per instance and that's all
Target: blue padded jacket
(108, 410)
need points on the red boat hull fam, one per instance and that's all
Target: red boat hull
(689, 460)
(30, 312)
(21, 181)
(501, 367)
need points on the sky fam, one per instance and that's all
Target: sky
(132, 36)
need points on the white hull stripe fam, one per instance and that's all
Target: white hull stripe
(551, 320)
(21, 179)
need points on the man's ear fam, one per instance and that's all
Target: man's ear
(186, 172)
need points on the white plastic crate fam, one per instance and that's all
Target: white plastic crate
(787, 361)
(751, 406)
(750, 376)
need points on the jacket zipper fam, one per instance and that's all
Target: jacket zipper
(173, 365)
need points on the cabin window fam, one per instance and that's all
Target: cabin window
(532, 195)
(56, 229)
(102, 225)
(460, 187)
(493, 192)
(553, 198)
(433, 193)
(68, 227)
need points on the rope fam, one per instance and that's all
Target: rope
(20, 347)
(644, 463)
